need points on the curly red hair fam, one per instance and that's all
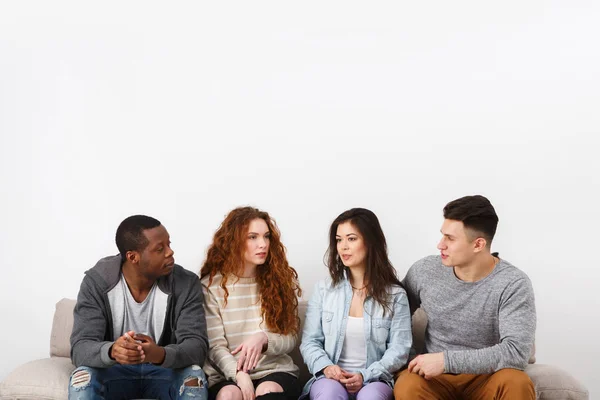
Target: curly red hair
(277, 280)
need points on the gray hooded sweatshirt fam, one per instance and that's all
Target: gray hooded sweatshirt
(180, 301)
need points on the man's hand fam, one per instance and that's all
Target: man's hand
(245, 384)
(125, 350)
(155, 354)
(250, 351)
(427, 365)
(334, 372)
(352, 381)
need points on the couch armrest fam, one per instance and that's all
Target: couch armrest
(553, 383)
(62, 325)
(45, 379)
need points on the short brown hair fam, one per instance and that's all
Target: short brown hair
(476, 213)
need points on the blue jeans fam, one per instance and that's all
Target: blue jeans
(137, 381)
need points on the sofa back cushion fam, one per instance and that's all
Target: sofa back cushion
(62, 325)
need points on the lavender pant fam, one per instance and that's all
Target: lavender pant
(330, 389)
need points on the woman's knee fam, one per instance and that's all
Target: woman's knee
(229, 392)
(268, 387)
(328, 389)
(375, 391)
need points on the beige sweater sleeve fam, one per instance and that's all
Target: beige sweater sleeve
(218, 350)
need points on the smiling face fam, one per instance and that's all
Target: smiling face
(351, 246)
(257, 243)
(156, 259)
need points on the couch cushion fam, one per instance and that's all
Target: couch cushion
(295, 354)
(46, 379)
(552, 383)
(419, 323)
(62, 325)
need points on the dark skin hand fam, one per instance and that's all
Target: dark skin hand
(125, 350)
(136, 348)
(155, 354)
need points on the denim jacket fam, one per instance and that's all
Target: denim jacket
(388, 337)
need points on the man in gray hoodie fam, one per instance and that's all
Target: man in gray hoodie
(139, 328)
(481, 314)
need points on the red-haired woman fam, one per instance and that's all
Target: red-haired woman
(251, 301)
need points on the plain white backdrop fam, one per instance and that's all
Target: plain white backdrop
(184, 111)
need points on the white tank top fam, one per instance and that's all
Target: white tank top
(354, 350)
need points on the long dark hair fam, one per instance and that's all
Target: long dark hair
(379, 273)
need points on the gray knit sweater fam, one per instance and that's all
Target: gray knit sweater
(481, 327)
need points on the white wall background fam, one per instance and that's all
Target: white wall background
(184, 111)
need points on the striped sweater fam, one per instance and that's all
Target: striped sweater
(228, 326)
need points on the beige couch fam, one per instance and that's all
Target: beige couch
(48, 378)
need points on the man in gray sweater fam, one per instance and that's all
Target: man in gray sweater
(481, 314)
(139, 326)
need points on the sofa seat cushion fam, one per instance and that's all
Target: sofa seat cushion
(552, 383)
(45, 379)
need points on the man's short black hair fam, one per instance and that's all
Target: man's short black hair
(476, 213)
(130, 233)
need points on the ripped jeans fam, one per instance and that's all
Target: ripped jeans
(137, 381)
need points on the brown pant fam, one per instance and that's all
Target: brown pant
(506, 384)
